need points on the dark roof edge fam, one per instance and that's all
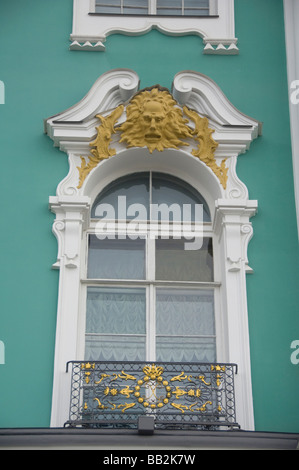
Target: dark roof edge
(100, 439)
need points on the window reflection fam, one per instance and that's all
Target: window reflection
(175, 263)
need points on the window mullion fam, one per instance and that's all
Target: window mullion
(213, 7)
(151, 325)
(152, 7)
(151, 266)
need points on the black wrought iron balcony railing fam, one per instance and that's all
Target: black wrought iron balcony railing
(177, 395)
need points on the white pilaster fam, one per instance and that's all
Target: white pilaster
(71, 217)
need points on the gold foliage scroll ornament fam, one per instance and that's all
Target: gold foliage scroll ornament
(207, 146)
(154, 121)
(101, 144)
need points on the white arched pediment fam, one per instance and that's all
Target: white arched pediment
(203, 134)
(74, 129)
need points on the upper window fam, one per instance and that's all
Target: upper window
(153, 7)
(212, 20)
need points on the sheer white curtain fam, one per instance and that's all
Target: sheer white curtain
(185, 325)
(115, 324)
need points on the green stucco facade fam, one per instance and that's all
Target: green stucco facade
(43, 77)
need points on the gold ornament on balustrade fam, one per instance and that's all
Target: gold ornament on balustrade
(152, 390)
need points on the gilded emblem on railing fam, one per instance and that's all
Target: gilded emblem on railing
(154, 120)
(152, 390)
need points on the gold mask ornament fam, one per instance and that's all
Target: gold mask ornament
(155, 121)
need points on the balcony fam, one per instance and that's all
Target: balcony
(175, 395)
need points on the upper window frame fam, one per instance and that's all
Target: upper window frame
(90, 29)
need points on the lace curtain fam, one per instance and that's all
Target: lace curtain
(116, 325)
(185, 326)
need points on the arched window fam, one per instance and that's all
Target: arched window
(152, 242)
(149, 282)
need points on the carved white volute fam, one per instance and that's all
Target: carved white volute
(74, 129)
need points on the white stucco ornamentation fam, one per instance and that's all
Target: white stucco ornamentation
(73, 130)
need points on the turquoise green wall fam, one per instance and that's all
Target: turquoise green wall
(42, 77)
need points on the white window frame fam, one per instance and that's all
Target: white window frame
(231, 211)
(90, 30)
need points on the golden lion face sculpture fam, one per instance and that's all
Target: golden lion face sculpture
(153, 121)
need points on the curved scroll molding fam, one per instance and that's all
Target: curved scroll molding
(200, 92)
(76, 123)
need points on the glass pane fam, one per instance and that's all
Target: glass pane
(172, 199)
(175, 200)
(108, 6)
(196, 7)
(115, 323)
(185, 325)
(169, 3)
(115, 258)
(115, 201)
(135, 7)
(169, 7)
(176, 263)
